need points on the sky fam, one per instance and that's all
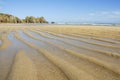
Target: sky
(83, 11)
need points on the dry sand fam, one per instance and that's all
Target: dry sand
(59, 52)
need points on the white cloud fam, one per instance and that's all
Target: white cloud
(116, 12)
(106, 14)
(102, 16)
(92, 14)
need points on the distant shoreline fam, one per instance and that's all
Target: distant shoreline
(43, 24)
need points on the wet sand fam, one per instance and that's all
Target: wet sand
(59, 52)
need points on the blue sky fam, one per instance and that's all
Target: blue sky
(107, 11)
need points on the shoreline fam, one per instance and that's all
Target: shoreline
(42, 24)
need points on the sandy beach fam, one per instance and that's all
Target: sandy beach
(59, 52)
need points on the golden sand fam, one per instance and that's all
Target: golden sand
(61, 52)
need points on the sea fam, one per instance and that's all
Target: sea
(59, 23)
